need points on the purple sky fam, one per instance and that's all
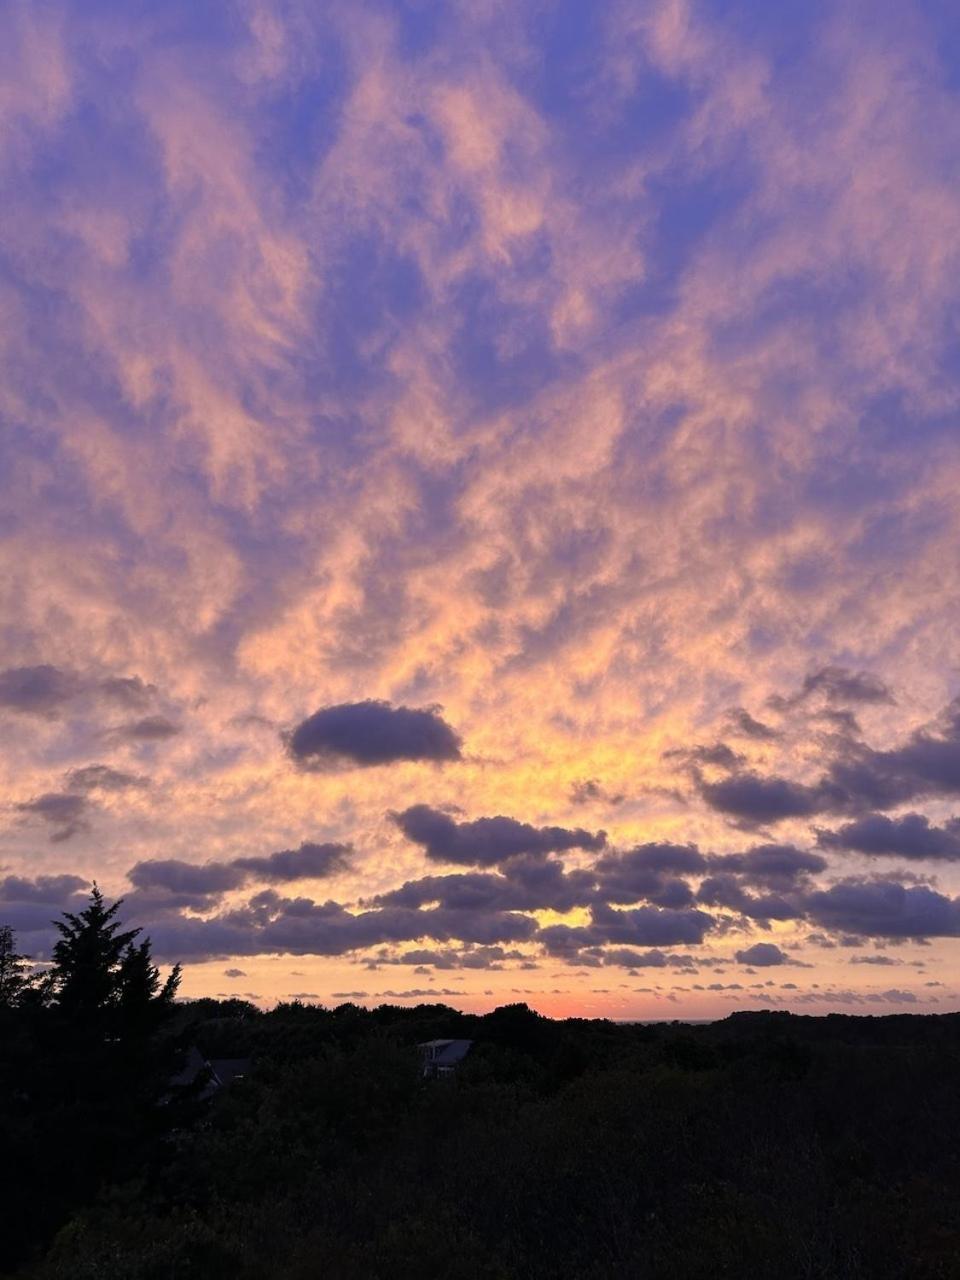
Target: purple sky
(478, 496)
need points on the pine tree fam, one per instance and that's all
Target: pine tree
(13, 976)
(86, 961)
(143, 1001)
(103, 981)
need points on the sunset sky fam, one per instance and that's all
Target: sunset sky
(479, 496)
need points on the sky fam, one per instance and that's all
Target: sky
(478, 511)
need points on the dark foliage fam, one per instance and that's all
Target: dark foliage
(13, 969)
(766, 1145)
(82, 1068)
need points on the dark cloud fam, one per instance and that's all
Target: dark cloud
(29, 906)
(529, 885)
(45, 689)
(148, 729)
(659, 856)
(53, 889)
(837, 685)
(197, 883)
(858, 777)
(234, 973)
(719, 755)
(927, 764)
(589, 790)
(175, 876)
(648, 871)
(415, 993)
(128, 691)
(269, 923)
(830, 944)
(728, 891)
(547, 880)
(648, 926)
(450, 958)
(486, 841)
(40, 690)
(373, 733)
(841, 720)
(252, 721)
(883, 909)
(883, 961)
(627, 958)
(669, 893)
(154, 902)
(910, 836)
(310, 861)
(486, 958)
(761, 955)
(100, 777)
(421, 957)
(742, 724)
(65, 812)
(772, 866)
(585, 790)
(755, 801)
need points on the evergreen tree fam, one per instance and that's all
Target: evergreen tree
(103, 981)
(143, 1001)
(87, 959)
(13, 976)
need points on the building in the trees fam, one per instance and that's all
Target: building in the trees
(441, 1057)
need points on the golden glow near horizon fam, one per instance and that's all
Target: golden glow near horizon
(580, 376)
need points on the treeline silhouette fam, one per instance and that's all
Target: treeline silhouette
(765, 1145)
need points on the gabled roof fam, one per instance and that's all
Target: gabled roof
(221, 1071)
(194, 1063)
(226, 1070)
(447, 1052)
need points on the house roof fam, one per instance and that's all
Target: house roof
(447, 1052)
(222, 1071)
(194, 1063)
(227, 1070)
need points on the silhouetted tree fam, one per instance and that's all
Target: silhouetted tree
(144, 1001)
(13, 969)
(101, 980)
(84, 1062)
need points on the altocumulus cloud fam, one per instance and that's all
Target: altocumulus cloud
(372, 733)
(148, 729)
(910, 836)
(761, 955)
(857, 777)
(838, 685)
(40, 690)
(503, 502)
(310, 861)
(884, 909)
(45, 690)
(64, 812)
(101, 777)
(486, 841)
(29, 904)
